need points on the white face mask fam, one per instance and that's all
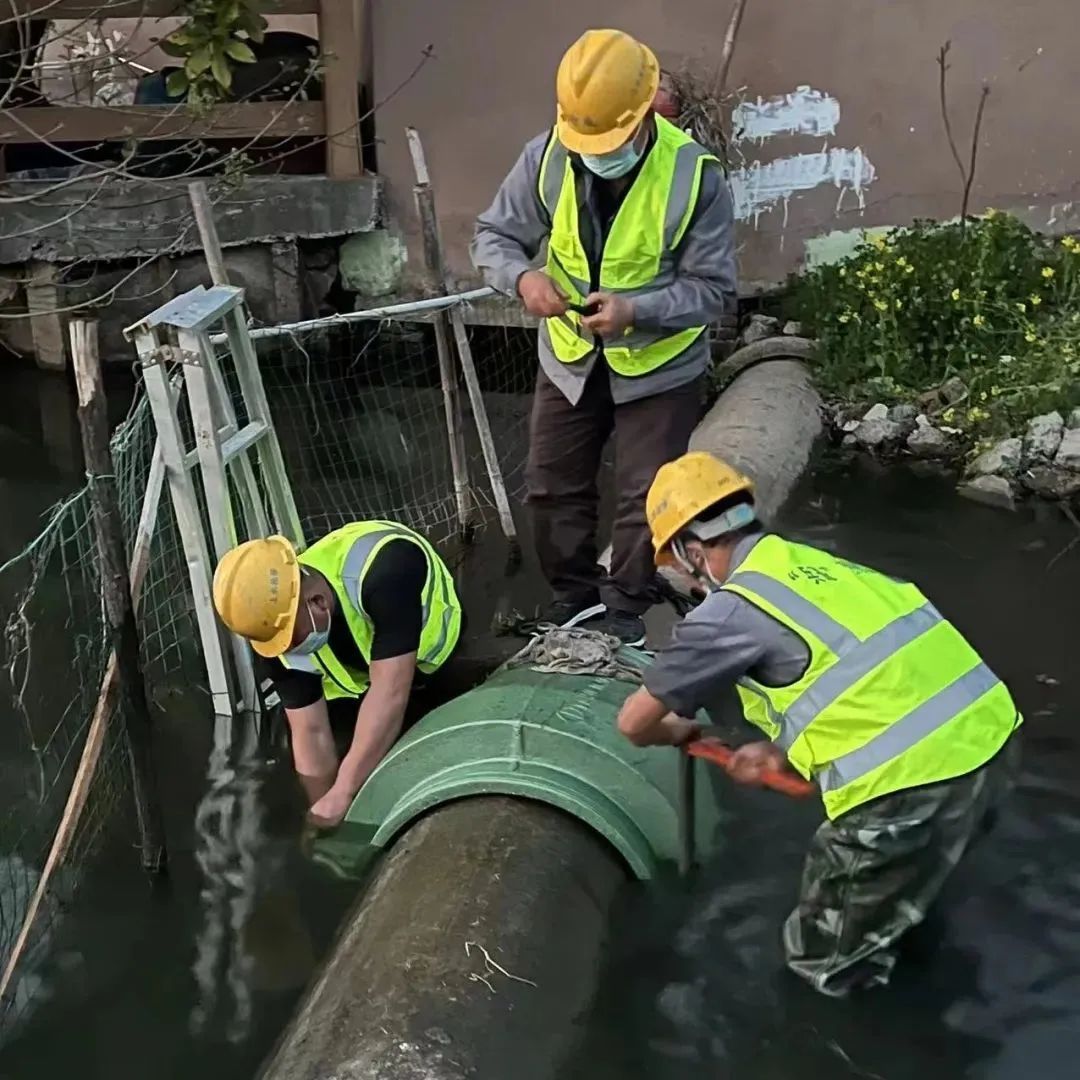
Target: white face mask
(316, 639)
(616, 163)
(704, 575)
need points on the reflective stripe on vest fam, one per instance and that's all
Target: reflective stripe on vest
(639, 253)
(343, 557)
(887, 673)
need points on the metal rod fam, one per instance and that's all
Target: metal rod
(390, 311)
(687, 837)
(116, 590)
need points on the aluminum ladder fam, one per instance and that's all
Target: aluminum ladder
(180, 335)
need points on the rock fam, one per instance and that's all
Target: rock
(905, 414)
(877, 412)
(1068, 455)
(989, 490)
(848, 426)
(1051, 483)
(849, 440)
(1042, 438)
(793, 328)
(760, 327)
(878, 434)
(929, 442)
(1002, 459)
(953, 390)
(1074, 420)
(922, 420)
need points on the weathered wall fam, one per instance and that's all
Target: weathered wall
(490, 86)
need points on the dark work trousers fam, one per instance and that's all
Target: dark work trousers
(565, 447)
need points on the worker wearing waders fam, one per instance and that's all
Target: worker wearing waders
(861, 687)
(357, 615)
(638, 227)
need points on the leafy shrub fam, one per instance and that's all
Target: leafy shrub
(989, 301)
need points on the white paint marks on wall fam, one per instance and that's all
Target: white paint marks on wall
(802, 112)
(760, 186)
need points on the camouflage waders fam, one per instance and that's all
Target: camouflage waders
(871, 874)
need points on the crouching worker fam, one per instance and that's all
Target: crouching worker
(861, 687)
(356, 615)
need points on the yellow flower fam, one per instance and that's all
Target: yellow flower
(881, 305)
(978, 321)
(902, 261)
(879, 242)
(879, 267)
(1048, 272)
(948, 415)
(1070, 243)
(1031, 337)
(995, 390)
(991, 213)
(844, 317)
(899, 305)
(909, 269)
(1021, 307)
(860, 273)
(982, 396)
(956, 294)
(1035, 300)
(843, 272)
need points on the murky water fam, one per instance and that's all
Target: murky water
(195, 975)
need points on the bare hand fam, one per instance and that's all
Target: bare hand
(540, 295)
(614, 315)
(330, 810)
(681, 731)
(750, 762)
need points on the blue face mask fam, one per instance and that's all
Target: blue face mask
(614, 164)
(315, 640)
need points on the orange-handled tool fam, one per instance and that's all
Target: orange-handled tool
(720, 754)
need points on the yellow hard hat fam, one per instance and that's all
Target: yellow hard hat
(606, 83)
(682, 491)
(257, 593)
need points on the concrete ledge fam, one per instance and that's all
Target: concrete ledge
(117, 219)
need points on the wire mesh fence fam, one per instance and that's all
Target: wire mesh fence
(360, 416)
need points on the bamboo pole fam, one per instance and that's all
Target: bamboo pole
(95, 735)
(429, 232)
(115, 587)
(204, 219)
(468, 367)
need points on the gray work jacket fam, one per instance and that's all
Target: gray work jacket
(512, 231)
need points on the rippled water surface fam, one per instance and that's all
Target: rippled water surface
(194, 976)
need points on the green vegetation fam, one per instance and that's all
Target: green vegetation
(214, 38)
(987, 301)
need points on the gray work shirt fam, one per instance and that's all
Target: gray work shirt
(722, 639)
(512, 231)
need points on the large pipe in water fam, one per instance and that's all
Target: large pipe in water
(474, 947)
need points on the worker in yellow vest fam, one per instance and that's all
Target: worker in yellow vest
(365, 612)
(638, 225)
(861, 687)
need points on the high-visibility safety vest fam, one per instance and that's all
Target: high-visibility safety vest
(343, 557)
(893, 696)
(639, 253)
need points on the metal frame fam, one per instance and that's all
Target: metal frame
(220, 455)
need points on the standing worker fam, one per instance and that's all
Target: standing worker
(861, 686)
(356, 615)
(638, 223)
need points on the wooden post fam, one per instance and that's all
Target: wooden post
(99, 722)
(204, 219)
(94, 424)
(472, 382)
(46, 323)
(339, 39)
(429, 232)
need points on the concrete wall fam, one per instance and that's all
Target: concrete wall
(490, 86)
